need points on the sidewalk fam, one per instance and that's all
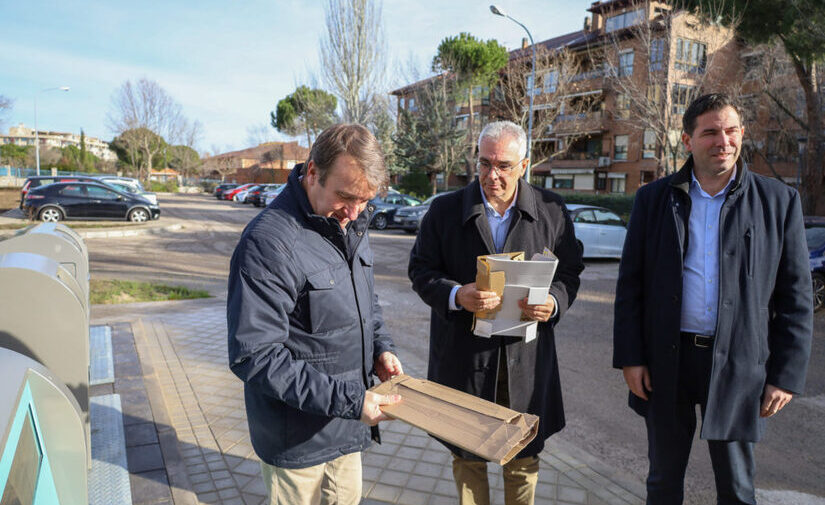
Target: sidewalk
(93, 229)
(187, 439)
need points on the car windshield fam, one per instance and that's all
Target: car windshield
(123, 187)
(815, 236)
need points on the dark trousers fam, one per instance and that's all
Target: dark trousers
(670, 436)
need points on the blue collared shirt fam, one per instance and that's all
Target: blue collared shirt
(499, 225)
(700, 277)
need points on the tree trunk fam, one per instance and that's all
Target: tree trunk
(813, 185)
(471, 168)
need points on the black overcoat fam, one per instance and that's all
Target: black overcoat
(765, 317)
(454, 232)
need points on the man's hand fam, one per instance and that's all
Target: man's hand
(387, 365)
(638, 380)
(774, 400)
(371, 411)
(539, 313)
(473, 300)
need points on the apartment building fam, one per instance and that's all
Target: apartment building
(270, 162)
(609, 99)
(20, 135)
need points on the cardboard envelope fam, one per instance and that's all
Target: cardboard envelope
(483, 428)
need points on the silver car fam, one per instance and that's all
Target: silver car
(600, 231)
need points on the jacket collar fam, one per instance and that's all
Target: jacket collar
(474, 205)
(681, 179)
(323, 225)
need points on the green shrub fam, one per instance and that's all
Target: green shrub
(208, 186)
(170, 186)
(416, 184)
(620, 204)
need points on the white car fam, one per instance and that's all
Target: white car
(129, 185)
(599, 231)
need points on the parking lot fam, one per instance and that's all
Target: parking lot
(791, 457)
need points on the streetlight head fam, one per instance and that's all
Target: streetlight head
(498, 12)
(63, 88)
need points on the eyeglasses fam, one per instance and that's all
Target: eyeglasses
(501, 169)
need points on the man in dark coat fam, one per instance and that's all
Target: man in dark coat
(305, 327)
(713, 306)
(499, 212)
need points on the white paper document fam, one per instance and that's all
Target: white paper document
(522, 279)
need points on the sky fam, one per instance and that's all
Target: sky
(226, 62)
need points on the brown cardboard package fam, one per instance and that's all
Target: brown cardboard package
(483, 428)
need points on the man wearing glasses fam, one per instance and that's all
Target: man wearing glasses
(497, 213)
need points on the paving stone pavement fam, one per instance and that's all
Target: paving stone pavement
(200, 421)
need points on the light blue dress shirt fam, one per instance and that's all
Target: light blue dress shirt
(700, 276)
(499, 225)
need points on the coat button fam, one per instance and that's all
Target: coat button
(674, 347)
(332, 282)
(359, 233)
(675, 298)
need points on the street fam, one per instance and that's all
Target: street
(791, 457)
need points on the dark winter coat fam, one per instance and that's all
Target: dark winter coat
(764, 322)
(304, 330)
(454, 232)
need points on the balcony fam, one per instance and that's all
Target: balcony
(585, 76)
(582, 122)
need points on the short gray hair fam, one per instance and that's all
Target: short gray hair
(498, 129)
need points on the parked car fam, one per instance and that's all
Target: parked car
(599, 231)
(230, 194)
(224, 186)
(257, 197)
(86, 200)
(386, 206)
(129, 185)
(815, 234)
(271, 195)
(42, 180)
(241, 196)
(409, 218)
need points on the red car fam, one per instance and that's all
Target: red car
(228, 195)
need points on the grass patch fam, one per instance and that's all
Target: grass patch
(108, 292)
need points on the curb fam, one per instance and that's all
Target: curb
(127, 232)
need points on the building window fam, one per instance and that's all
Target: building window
(411, 105)
(690, 56)
(551, 81)
(626, 63)
(624, 20)
(563, 182)
(601, 181)
(654, 94)
(529, 85)
(649, 144)
(657, 54)
(620, 147)
(682, 96)
(622, 106)
(617, 185)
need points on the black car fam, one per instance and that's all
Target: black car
(86, 200)
(409, 218)
(42, 180)
(386, 206)
(815, 235)
(256, 195)
(220, 188)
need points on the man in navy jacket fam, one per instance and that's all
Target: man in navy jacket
(713, 306)
(305, 328)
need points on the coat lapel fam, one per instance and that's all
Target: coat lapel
(474, 211)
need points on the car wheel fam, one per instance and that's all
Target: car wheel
(819, 290)
(50, 214)
(380, 221)
(138, 215)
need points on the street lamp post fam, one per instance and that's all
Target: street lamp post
(801, 141)
(498, 12)
(36, 136)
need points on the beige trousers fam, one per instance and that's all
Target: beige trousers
(336, 482)
(520, 479)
